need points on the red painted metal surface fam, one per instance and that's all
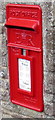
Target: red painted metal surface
(24, 31)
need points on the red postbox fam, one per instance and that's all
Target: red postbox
(25, 55)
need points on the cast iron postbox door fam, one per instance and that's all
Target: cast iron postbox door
(24, 32)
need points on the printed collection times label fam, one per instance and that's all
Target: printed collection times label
(24, 74)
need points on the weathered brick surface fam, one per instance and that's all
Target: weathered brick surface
(49, 109)
(11, 110)
(54, 59)
(0, 49)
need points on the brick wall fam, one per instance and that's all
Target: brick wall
(7, 108)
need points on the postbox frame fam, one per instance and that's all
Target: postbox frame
(38, 104)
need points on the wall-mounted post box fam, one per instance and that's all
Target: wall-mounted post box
(24, 32)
